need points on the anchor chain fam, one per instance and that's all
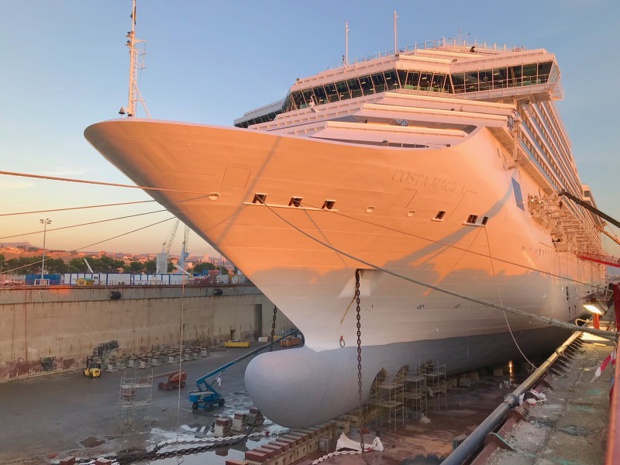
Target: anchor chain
(273, 327)
(359, 352)
(127, 458)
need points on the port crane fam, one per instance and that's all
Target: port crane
(184, 252)
(162, 258)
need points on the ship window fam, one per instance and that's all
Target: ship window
(459, 83)
(471, 219)
(319, 92)
(354, 85)
(328, 204)
(295, 201)
(259, 198)
(299, 100)
(471, 81)
(412, 81)
(426, 80)
(516, 188)
(439, 216)
(343, 90)
(367, 86)
(379, 82)
(485, 220)
(402, 77)
(514, 75)
(447, 87)
(438, 82)
(486, 79)
(499, 78)
(391, 80)
(308, 98)
(543, 71)
(332, 95)
(529, 74)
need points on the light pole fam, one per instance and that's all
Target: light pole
(44, 222)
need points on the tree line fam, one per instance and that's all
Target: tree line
(103, 264)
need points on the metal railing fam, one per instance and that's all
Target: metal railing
(433, 44)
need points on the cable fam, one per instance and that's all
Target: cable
(85, 224)
(127, 233)
(76, 208)
(459, 248)
(499, 295)
(181, 341)
(95, 183)
(544, 319)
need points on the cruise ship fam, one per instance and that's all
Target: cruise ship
(405, 192)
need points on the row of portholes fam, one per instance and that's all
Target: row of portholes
(539, 252)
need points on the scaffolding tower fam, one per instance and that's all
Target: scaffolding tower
(134, 399)
(436, 385)
(389, 398)
(415, 393)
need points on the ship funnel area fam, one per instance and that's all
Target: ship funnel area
(299, 388)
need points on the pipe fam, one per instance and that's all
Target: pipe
(473, 441)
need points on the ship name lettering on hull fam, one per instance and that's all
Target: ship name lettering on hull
(430, 182)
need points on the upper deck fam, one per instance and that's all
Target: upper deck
(456, 70)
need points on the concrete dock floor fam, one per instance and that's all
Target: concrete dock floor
(48, 418)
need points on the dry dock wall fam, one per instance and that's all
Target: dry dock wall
(54, 328)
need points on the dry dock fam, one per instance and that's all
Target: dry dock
(65, 415)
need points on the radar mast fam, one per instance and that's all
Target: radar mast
(137, 51)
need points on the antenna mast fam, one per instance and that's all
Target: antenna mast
(395, 34)
(136, 63)
(346, 44)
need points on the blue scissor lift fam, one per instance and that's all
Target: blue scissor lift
(207, 397)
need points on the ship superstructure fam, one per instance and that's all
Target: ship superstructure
(439, 164)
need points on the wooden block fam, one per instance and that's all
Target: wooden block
(267, 451)
(283, 445)
(235, 462)
(255, 456)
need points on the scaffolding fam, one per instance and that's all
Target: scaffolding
(415, 393)
(134, 399)
(436, 385)
(389, 398)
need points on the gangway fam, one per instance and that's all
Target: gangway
(594, 257)
(603, 259)
(207, 397)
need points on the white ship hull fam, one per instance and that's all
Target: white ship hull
(385, 212)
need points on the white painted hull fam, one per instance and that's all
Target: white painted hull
(385, 204)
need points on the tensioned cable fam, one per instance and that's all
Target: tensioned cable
(501, 301)
(181, 342)
(127, 233)
(85, 224)
(544, 319)
(548, 273)
(86, 207)
(95, 243)
(22, 266)
(99, 183)
(56, 178)
(95, 183)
